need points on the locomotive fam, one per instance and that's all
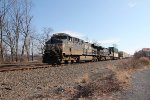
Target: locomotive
(62, 47)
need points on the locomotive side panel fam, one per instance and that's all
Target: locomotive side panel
(73, 50)
(70, 48)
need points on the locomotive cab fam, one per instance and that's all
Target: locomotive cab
(53, 49)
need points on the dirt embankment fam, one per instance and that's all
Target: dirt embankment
(99, 80)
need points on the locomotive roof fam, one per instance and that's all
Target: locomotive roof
(65, 34)
(61, 34)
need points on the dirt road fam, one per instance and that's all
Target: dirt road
(140, 86)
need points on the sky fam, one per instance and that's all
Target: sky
(125, 23)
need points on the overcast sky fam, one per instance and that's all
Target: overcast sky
(122, 22)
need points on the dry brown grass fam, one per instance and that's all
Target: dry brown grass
(97, 87)
(125, 68)
(83, 79)
(123, 76)
(144, 61)
(134, 63)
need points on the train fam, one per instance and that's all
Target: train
(123, 55)
(64, 48)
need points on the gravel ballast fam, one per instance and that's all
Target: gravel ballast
(44, 83)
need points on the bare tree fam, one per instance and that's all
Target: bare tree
(139, 54)
(9, 39)
(45, 36)
(17, 16)
(17, 21)
(34, 40)
(5, 6)
(15, 28)
(2, 18)
(26, 29)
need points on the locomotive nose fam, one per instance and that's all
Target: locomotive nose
(52, 57)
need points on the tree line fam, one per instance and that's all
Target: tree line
(18, 40)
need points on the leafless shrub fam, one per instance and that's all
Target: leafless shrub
(144, 61)
(97, 87)
(134, 63)
(83, 91)
(139, 54)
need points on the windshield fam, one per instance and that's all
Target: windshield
(55, 40)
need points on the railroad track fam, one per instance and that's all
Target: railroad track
(14, 67)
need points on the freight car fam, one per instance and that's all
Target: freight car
(123, 55)
(65, 48)
(113, 53)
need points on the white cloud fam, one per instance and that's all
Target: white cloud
(131, 52)
(132, 4)
(107, 43)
